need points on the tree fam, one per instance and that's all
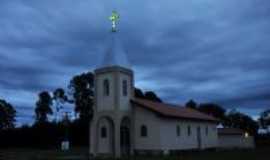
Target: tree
(43, 107)
(150, 95)
(191, 104)
(7, 115)
(139, 93)
(214, 110)
(82, 88)
(265, 119)
(59, 97)
(242, 121)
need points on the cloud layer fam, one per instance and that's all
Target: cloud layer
(205, 50)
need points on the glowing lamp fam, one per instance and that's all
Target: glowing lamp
(246, 135)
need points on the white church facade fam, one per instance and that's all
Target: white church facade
(126, 125)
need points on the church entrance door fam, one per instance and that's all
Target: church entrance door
(125, 137)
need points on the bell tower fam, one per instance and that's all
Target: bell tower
(113, 89)
(111, 127)
(114, 78)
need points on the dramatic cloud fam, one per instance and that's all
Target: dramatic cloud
(210, 51)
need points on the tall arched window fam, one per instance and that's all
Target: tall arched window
(178, 131)
(106, 87)
(124, 87)
(143, 131)
(189, 131)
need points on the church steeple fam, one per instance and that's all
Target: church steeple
(115, 54)
(114, 88)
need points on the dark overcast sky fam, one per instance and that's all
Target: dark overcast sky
(208, 50)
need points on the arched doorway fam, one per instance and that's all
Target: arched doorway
(125, 136)
(105, 136)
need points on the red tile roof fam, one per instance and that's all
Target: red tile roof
(173, 111)
(230, 131)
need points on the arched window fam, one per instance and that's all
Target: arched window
(143, 131)
(189, 131)
(124, 87)
(106, 87)
(178, 131)
(103, 132)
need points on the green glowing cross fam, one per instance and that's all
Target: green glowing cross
(114, 18)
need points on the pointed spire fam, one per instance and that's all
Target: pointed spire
(115, 55)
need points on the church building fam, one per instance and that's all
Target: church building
(125, 125)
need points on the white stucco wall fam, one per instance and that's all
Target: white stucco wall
(116, 99)
(170, 140)
(105, 143)
(124, 101)
(114, 107)
(105, 103)
(152, 122)
(162, 133)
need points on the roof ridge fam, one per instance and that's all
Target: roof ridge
(171, 110)
(171, 104)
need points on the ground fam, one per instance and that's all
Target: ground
(81, 154)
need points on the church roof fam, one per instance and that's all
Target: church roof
(115, 54)
(173, 111)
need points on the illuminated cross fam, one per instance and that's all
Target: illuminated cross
(114, 18)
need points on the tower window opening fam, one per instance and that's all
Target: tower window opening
(124, 87)
(106, 87)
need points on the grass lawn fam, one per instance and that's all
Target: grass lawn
(81, 154)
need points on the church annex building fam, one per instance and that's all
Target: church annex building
(125, 125)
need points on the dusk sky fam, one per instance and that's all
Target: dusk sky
(206, 50)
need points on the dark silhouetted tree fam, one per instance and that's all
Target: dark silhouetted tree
(82, 88)
(191, 104)
(139, 93)
(7, 115)
(152, 96)
(59, 98)
(214, 110)
(265, 119)
(239, 120)
(43, 107)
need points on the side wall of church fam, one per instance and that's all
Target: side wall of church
(146, 118)
(162, 133)
(171, 140)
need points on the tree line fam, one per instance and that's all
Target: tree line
(46, 132)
